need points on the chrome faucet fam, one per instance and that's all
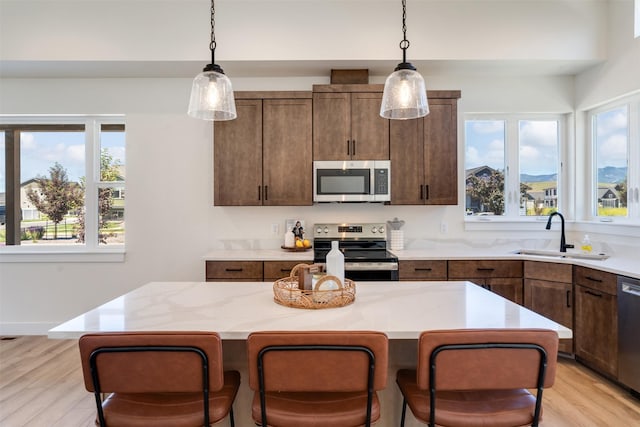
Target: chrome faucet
(563, 242)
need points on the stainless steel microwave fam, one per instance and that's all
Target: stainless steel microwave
(352, 181)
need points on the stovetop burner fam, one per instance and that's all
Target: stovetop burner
(358, 242)
(364, 246)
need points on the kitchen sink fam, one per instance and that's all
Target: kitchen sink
(558, 254)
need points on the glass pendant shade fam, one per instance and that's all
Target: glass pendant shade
(405, 95)
(212, 96)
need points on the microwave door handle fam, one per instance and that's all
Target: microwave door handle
(353, 150)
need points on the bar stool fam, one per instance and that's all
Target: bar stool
(160, 379)
(319, 378)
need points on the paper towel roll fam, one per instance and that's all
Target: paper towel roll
(397, 239)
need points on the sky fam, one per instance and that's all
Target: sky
(40, 150)
(612, 137)
(538, 139)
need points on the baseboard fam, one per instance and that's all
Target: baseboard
(26, 328)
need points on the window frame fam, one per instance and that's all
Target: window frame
(91, 250)
(512, 220)
(632, 103)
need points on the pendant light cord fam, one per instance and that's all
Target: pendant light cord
(404, 44)
(212, 45)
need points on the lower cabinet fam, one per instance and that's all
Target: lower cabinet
(233, 271)
(422, 270)
(548, 290)
(274, 270)
(248, 271)
(503, 277)
(596, 320)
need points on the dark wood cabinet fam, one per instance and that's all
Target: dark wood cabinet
(548, 290)
(347, 123)
(274, 270)
(263, 157)
(596, 320)
(233, 271)
(422, 270)
(424, 155)
(249, 271)
(503, 277)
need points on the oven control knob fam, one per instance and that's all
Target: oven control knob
(374, 230)
(381, 230)
(319, 230)
(326, 230)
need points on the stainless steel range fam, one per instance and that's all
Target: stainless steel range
(364, 246)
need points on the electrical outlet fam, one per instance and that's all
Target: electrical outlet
(275, 229)
(444, 227)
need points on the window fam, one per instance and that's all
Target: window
(636, 21)
(62, 183)
(512, 165)
(616, 161)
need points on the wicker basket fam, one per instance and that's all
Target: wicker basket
(286, 292)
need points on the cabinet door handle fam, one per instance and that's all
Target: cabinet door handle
(595, 294)
(353, 150)
(421, 192)
(259, 192)
(593, 279)
(266, 192)
(348, 147)
(426, 190)
(233, 269)
(569, 299)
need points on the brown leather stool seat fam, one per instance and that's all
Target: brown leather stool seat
(480, 377)
(320, 378)
(158, 378)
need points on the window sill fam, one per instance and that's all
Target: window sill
(10, 255)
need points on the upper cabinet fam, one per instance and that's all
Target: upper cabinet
(424, 154)
(264, 156)
(347, 123)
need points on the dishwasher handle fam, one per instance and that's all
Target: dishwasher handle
(631, 289)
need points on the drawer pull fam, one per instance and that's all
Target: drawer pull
(423, 269)
(485, 269)
(595, 294)
(233, 269)
(593, 279)
(285, 270)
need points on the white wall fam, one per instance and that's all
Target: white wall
(171, 222)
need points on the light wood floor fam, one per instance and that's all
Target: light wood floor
(41, 385)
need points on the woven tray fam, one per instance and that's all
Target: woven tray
(286, 292)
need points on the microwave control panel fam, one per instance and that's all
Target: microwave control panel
(381, 181)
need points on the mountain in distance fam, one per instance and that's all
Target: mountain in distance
(612, 175)
(606, 175)
(538, 178)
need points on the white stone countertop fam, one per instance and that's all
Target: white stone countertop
(258, 255)
(400, 309)
(625, 261)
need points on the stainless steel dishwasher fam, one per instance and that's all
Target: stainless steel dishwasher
(628, 333)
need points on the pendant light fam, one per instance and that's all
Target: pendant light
(211, 93)
(405, 95)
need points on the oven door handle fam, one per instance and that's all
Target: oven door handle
(370, 266)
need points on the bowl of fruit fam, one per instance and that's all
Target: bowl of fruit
(299, 245)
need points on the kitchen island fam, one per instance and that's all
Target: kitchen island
(400, 309)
